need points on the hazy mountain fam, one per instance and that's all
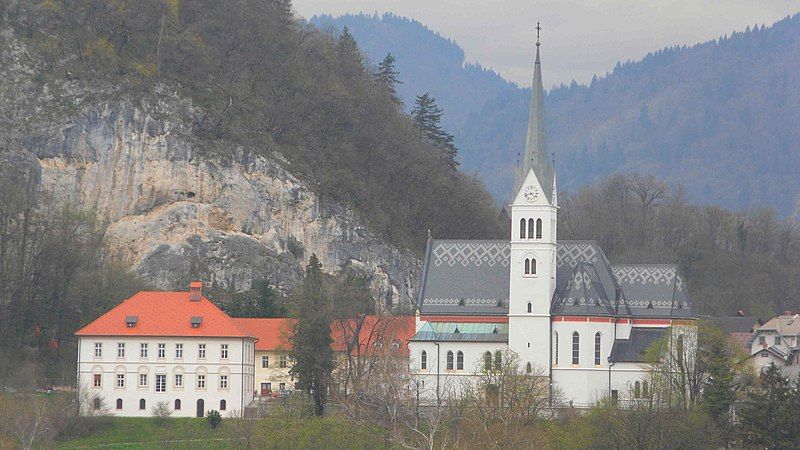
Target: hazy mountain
(720, 117)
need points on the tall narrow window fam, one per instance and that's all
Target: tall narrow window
(97, 380)
(142, 404)
(528, 368)
(201, 351)
(449, 360)
(423, 363)
(265, 361)
(680, 349)
(223, 351)
(223, 405)
(283, 361)
(178, 351)
(645, 389)
(555, 348)
(533, 266)
(522, 228)
(98, 349)
(487, 361)
(460, 360)
(527, 266)
(530, 228)
(178, 380)
(142, 350)
(597, 349)
(121, 350)
(119, 404)
(162, 350)
(530, 308)
(637, 390)
(177, 404)
(538, 228)
(576, 348)
(498, 360)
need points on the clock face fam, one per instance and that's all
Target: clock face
(531, 193)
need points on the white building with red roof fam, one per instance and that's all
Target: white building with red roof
(172, 347)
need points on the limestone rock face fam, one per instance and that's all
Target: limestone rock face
(175, 215)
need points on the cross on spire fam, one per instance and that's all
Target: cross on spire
(538, 29)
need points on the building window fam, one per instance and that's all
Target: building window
(98, 349)
(283, 361)
(98, 382)
(223, 405)
(449, 360)
(680, 349)
(223, 351)
(201, 351)
(597, 349)
(120, 380)
(498, 360)
(161, 383)
(487, 361)
(522, 228)
(645, 389)
(762, 340)
(281, 387)
(637, 390)
(530, 307)
(142, 380)
(121, 350)
(177, 404)
(223, 382)
(178, 351)
(178, 380)
(460, 360)
(162, 350)
(555, 348)
(777, 340)
(265, 361)
(527, 266)
(530, 228)
(576, 347)
(533, 266)
(764, 354)
(96, 403)
(423, 363)
(119, 404)
(538, 228)
(528, 368)
(201, 381)
(142, 404)
(142, 350)
(614, 396)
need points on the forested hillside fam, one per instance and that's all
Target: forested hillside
(727, 108)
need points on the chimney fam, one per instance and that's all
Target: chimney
(740, 313)
(195, 291)
(787, 313)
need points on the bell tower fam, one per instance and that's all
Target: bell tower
(533, 239)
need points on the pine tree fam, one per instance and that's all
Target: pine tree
(769, 416)
(311, 341)
(427, 117)
(387, 75)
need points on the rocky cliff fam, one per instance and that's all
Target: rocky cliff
(173, 209)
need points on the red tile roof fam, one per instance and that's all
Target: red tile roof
(275, 334)
(164, 314)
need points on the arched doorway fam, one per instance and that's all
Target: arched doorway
(201, 408)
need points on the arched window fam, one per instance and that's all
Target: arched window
(576, 348)
(449, 360)
(597, 349)
(530, 308)
(487, 361)
(119, 404)
(680, 349)
(142, 404)
(223, 405)
(528, 368)
(498, 360)
(555, 348)
(645, 389)
(424, 360)
(538, 228)
(96, 403)
(637, 390)
(460, 360)
(533, 266)
(177, 404)
(527, 266)
(522, 228)
(530, 229)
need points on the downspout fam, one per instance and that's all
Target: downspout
(611, 363)
(241, 400)
(78, 377)
(550, 365)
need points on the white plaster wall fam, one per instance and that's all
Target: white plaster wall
(238, 365)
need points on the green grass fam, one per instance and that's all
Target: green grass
(289, 433)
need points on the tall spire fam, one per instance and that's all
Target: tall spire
(536, 156)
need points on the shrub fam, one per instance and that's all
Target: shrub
(161, 412)
(214, 419)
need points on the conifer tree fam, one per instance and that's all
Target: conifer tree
(387, 75)
(769, 416)
(311, 341)
(427, 117)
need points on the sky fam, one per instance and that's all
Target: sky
(580, 38)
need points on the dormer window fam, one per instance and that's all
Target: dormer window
(461, 302)
(456, 331)
(130, 321)
(195, 321)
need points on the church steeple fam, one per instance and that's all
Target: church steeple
(536, 156)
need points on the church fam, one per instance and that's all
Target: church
(561, 306)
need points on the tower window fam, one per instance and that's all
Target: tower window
(498, 360)
(522, 228)
(538, 228)
(597, 349)
(576, 347)
(555, 348)
(423, 364)
(530, 228)
(487, 361)
(533, 266)
(530, 308)
(527, 266)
